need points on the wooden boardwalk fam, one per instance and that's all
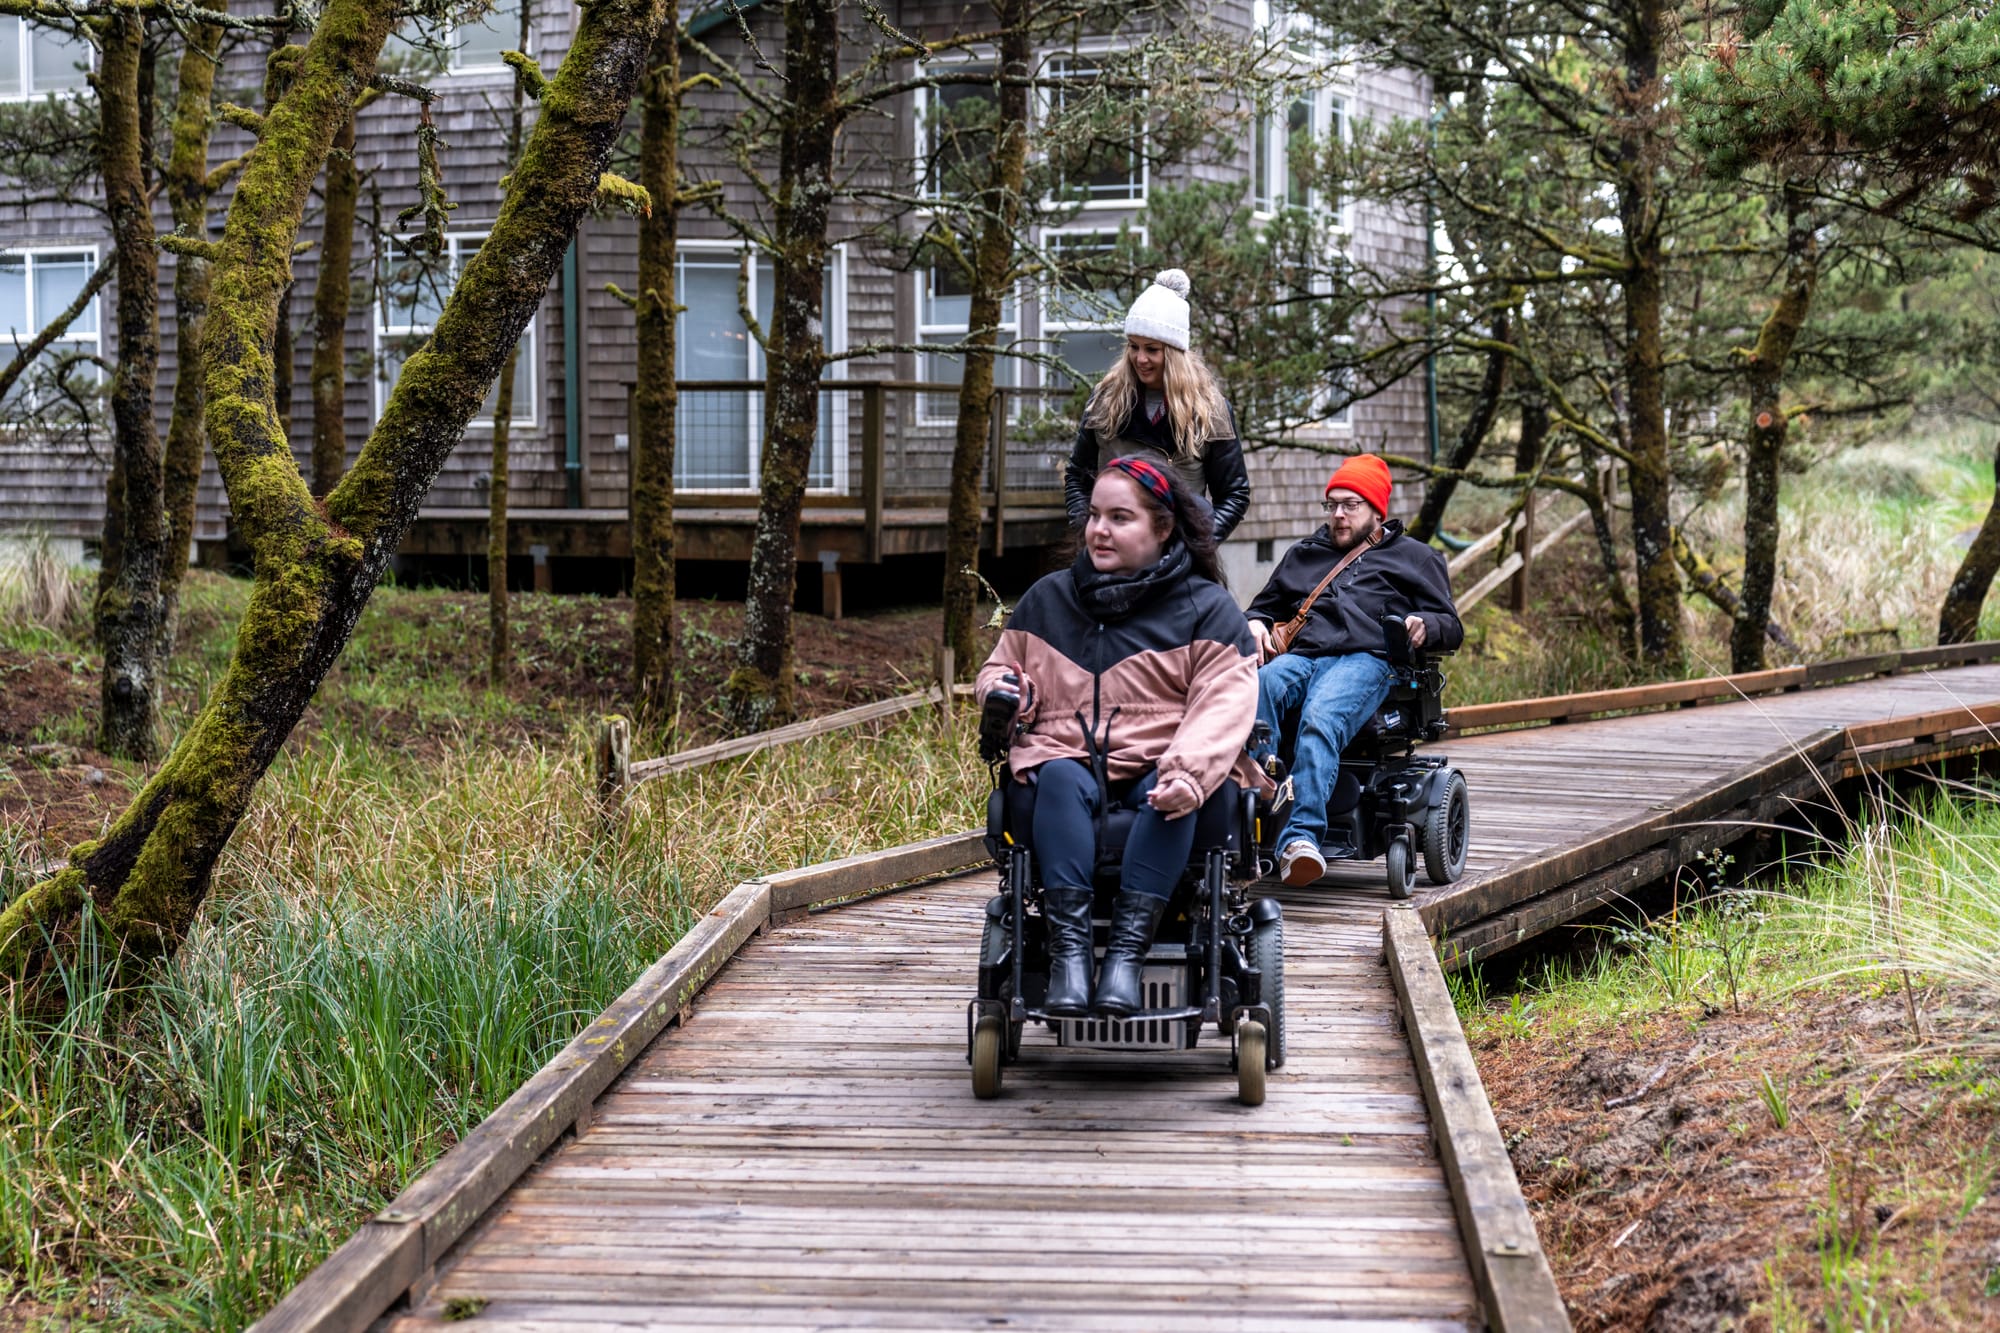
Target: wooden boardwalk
(802, 1150)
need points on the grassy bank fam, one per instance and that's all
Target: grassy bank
(418, 910)
(1773, 1108)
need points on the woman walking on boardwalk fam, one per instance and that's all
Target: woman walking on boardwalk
(1160, 401)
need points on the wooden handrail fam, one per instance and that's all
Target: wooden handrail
(1684, 693)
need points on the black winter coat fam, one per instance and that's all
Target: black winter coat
(1401, 577)
(1222, 474)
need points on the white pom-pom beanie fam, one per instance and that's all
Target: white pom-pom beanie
(1161, 312)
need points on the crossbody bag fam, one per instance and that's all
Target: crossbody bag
(1282, 635)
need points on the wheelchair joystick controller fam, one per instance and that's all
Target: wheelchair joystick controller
(996, 719)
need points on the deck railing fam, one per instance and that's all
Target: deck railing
(886, 444)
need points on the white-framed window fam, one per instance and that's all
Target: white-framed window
(1082, 314)
(414, 288)
(718, 433)
(477, 46)
(433, 48)
(36, 286)
(1112, 172)
(36, 59)
(952, 140)
(1282, 152)
(944, 314)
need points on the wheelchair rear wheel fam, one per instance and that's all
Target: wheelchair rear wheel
(1267, 955)
(1447, 833)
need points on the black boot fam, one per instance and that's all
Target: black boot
(1066, 913)
(1134, 918)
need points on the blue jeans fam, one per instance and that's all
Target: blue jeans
(1065, 832)
(1334, 696)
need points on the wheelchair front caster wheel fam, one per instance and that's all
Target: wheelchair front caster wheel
(989, 1040)
(1250, 1044)
(1398, 860)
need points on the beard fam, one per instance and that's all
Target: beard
(1357, 532)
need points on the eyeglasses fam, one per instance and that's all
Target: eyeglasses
(1343, 506)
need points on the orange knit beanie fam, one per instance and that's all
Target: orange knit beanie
(1368, 477)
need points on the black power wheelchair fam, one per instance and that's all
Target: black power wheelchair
(1389, 801)
(1217, 959)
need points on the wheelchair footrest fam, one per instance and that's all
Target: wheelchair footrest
(1160, 1026)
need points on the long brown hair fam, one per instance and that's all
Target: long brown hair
(1194, 403)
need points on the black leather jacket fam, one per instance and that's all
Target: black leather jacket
(1222, 475)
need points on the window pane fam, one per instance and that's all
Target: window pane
(56, 60)
(1086, 294)
(481, 43)
(416, 287)
(959, 134)
(10, 57)
(711, 428)
(1089, 352)
(58, 279)
(14, 297)
(1260, 164)
(412, 50)
(1105, 164)
(1298, 151)
(524, 384)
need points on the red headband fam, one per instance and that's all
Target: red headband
(1148, 476)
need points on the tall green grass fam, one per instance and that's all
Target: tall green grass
(1907, 906)
(393, 944)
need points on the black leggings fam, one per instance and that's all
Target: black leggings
(1065, 832)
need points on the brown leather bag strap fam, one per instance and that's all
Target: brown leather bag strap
(1285, 633)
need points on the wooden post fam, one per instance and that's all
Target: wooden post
(998, 468)
(614, 766)
(829, 584)
(947, 677)
(1524, 543)
(871, 467)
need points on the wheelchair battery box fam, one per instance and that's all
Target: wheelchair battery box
(1163, 984)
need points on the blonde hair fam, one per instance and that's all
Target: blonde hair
(1194, 403)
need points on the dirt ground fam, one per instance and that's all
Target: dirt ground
(1807, 1166)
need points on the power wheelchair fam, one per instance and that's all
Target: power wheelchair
(1217, 959)
(1390, 802)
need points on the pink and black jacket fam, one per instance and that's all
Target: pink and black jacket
(1155, 669)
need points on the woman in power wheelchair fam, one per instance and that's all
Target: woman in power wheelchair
(1115, 709)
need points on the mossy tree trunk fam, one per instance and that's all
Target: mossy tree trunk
(655, 641)
(1958, 621)
(130, 613)
(187, 197)
(1660, 639)
(1472, 435)
(758, 693)
(1768, 424)
(318, 561)
(331, 294)
(499, 638)
(992, 276)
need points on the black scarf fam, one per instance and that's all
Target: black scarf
(1114, 596)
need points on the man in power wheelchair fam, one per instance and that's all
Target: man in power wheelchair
(1115, 708)
(1345, 628)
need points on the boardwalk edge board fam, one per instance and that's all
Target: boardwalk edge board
(1509, 1270)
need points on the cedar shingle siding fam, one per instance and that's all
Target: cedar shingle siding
(60, 489)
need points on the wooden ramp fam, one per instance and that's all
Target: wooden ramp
(775, 1129)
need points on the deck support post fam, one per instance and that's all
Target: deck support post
(1524, 545)
(829, 584)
